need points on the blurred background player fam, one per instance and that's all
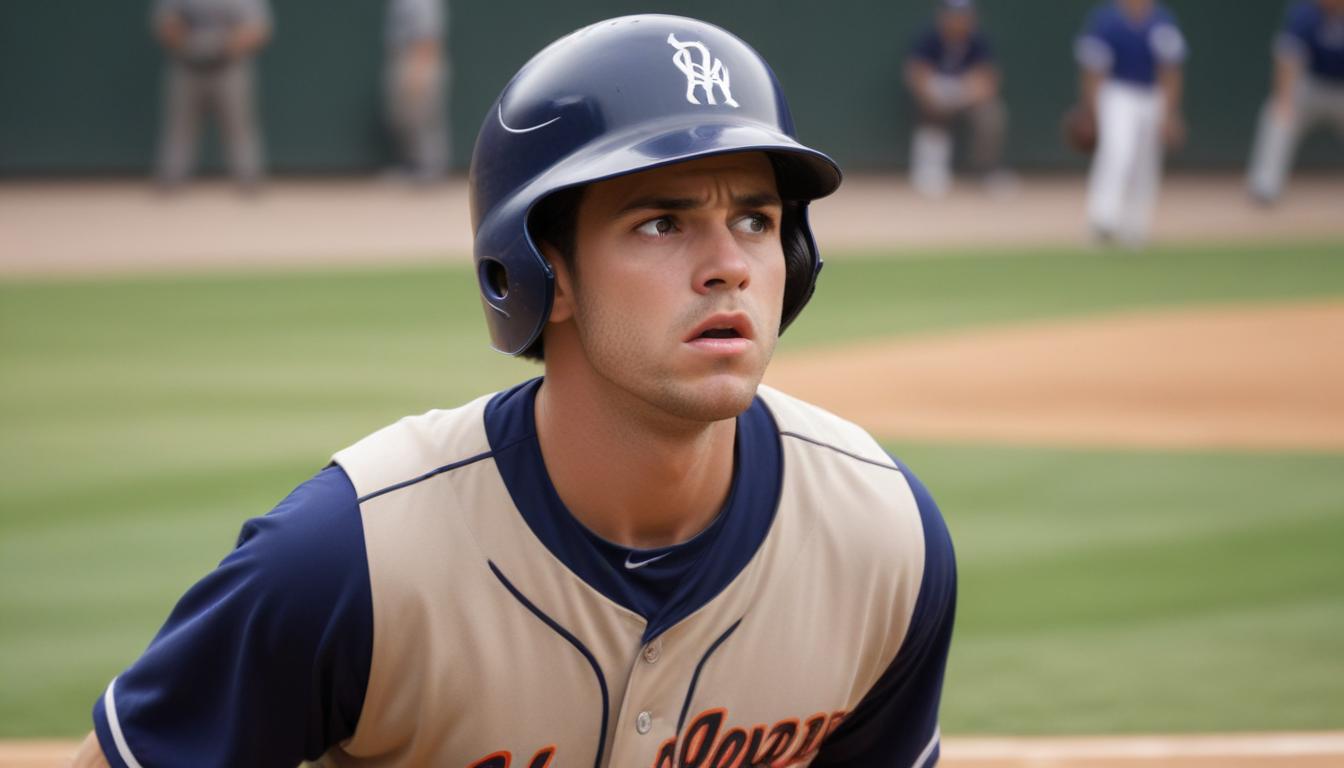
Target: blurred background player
(1308, 88)
(952, 76)
(417, 76)
(1130, 53)
(211, 45)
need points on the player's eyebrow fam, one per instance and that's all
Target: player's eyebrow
(660, 203)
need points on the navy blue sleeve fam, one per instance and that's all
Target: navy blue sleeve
(265, 661)
(1093, 48)
(896, 723)
(1301, 23)
(979, 52)
(927, 48)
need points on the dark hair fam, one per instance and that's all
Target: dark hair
(554, 220)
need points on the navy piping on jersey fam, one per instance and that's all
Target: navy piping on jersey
(574, 641)
(426, 476)
(746, 517)
(908, 691)
(842, 451)
(695, 678)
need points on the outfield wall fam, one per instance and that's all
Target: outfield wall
(79, 80)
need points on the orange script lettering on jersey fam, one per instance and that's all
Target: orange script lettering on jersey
(707, 744)
(504, 758)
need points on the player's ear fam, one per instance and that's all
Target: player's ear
(562, 306)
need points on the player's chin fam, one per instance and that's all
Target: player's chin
(716, 395)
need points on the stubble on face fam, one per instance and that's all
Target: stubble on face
(723, 391)
(635, 302)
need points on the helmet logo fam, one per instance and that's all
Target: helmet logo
(707, 73)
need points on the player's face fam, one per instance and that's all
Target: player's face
(956, 25)
(1333, 6)
(1137, 9)
(679, 282)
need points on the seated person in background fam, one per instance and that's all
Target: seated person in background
(952, 76)
(1308, 88)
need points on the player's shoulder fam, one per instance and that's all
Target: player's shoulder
(1164, 15)
(1102, 17)
(305, 541)
(813, 424)
(926, 42)
(415, 447)
(856, 466)
(1304, 14)
(867, 500)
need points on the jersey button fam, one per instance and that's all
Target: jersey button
(644, 723)
(653, 651)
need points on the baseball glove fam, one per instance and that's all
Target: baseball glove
(1080, 130)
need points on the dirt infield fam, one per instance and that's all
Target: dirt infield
(123, 226)
(1239, 377)
(1279, 750)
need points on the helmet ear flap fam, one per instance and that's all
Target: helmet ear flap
(802, 263)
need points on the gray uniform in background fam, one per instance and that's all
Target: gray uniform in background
(210, 69)
(418, 79)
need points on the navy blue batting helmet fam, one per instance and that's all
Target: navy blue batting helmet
(618, 97)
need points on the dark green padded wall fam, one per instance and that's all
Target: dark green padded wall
(79, 79)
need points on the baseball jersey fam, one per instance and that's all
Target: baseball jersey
(1128, 51)
(1317, 37)
(951, 60)
(210, 23)
(428, 600)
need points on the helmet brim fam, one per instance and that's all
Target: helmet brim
(802, 173)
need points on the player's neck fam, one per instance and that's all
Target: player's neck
(630, 475)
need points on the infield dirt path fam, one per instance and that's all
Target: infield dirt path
(1250, 377)
(102, 227)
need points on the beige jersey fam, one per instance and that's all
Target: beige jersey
(810, 625)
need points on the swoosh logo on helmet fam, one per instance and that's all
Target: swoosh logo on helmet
(506, 127)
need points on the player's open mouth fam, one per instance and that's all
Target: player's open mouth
(726, 333)
(723, 325)
(720, 333)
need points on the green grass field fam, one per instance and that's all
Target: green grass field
(1102, 591)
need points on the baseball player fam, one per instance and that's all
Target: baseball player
(1130, 53)
(951, 74)
(416, 77)
(210, 46)
(1308, 89)
(643, 558)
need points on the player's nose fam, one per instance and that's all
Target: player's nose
(723, 262)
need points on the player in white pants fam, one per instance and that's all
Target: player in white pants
(1130, 53)
(1308, 89)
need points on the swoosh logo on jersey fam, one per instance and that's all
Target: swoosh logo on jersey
(632, 564)
(506, 127)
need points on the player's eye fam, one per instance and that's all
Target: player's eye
(658, 227)
(754, 224)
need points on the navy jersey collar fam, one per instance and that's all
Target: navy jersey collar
(732, 540)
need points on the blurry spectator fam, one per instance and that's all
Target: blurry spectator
(1308, 88)
(417, 77)
(1131, 53)
(210, 46)
(952, 76)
